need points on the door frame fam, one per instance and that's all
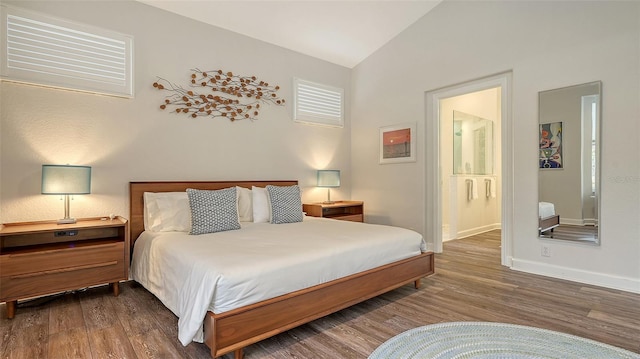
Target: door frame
(432, 175)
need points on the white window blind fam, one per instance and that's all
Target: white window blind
(317, 103)
(42, 50)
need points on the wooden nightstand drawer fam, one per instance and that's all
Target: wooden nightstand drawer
(352, 218)
(56, 259)
(61, 279)
(342, 210)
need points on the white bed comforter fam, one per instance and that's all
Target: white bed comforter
(222, 271)
(546, 209)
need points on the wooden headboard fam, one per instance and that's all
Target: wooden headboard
(137, 190)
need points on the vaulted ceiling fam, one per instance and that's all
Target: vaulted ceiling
(341, 32)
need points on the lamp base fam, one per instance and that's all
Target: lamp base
(329, 202)
(67, 221)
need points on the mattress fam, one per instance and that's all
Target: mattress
(546, 209)
(223, 271)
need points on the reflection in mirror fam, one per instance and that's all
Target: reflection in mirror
(569, 155)
(472, 144)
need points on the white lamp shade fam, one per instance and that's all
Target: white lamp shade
(328, 178)
(66, 179)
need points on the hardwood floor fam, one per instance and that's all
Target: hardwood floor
(573, 233)
(469, 285)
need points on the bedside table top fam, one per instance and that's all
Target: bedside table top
(336, 204)
(43, 226)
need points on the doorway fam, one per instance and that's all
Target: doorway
(470, 163)
(435, 175)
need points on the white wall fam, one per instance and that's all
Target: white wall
(133, 140)
(546, 45)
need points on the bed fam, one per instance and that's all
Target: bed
(547, 217)
(229, 328)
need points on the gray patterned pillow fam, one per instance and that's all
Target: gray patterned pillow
(286, 204)
(213, 211)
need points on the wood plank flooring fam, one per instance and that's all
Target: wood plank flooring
(573, 233)
(469, 285)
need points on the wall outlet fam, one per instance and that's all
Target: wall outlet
(546, 250)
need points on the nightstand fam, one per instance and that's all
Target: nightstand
(342, 210)
(41, 258)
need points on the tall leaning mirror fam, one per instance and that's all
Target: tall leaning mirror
(568, 165)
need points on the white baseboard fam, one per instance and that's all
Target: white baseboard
(576, 275)
(572, 221)
(477, 230)
(579, 221)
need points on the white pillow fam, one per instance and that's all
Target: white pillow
(167, 212)
(245, 204)
(261, 207)
(150, 210)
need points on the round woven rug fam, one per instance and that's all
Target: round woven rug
(483, 340)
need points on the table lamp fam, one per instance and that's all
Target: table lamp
(329, 179)
(66, 180)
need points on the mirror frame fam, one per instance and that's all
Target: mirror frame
(598, 156)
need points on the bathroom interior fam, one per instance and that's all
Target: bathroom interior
(470, 163)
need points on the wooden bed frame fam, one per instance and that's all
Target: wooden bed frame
(548, 223)
(233, 330)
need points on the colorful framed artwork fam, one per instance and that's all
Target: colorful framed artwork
(398, 143)
(551, 146)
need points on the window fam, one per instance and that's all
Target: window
(47, 51)
(318, 104)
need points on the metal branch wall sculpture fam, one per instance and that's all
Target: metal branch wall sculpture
(227, 95)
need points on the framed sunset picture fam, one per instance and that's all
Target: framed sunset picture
(398, 143)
